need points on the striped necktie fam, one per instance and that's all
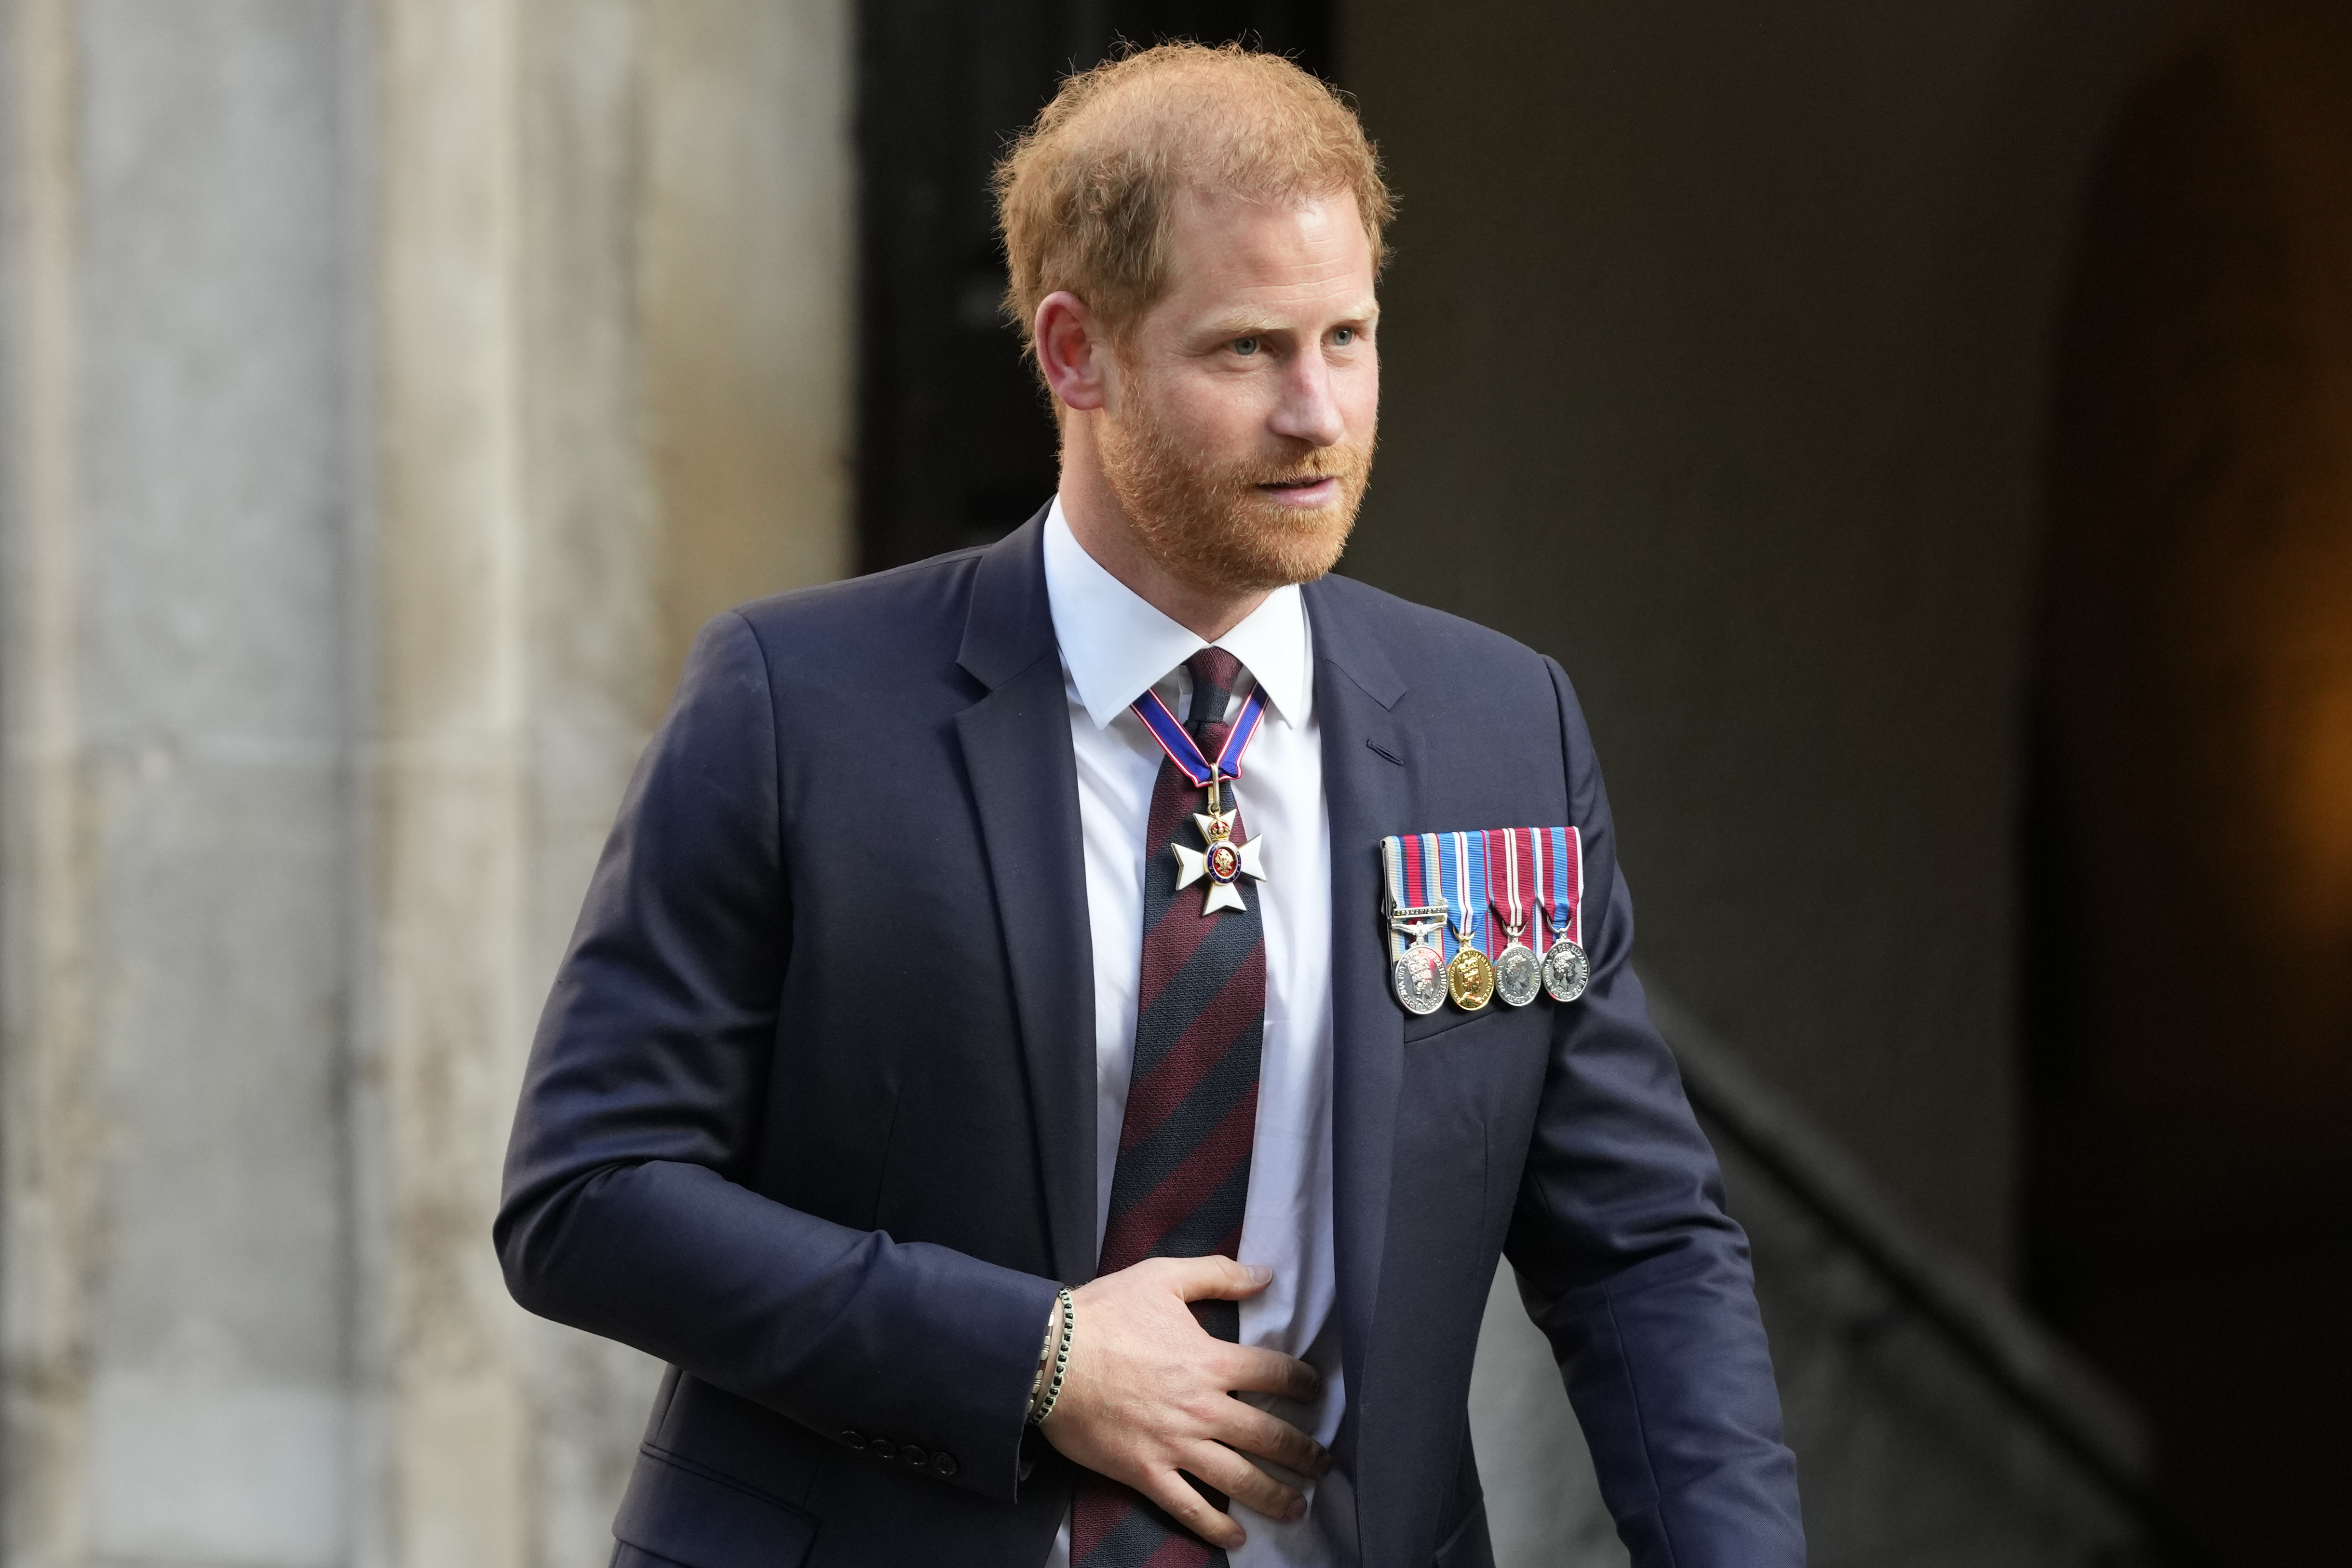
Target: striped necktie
(1182, 1176)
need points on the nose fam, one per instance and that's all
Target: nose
(1307, 411)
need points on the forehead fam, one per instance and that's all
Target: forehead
(1228, 253)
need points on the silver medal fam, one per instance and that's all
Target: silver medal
(1566, 971)
(1418, 974)
(1518, 973)
(1420, 979)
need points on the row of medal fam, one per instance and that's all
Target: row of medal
(1474, 916)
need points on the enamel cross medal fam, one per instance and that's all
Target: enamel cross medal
(1222, 860)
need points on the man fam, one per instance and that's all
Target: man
(1056, 914)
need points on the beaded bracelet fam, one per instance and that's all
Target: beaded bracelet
(1061, 1361)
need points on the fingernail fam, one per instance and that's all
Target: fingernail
(1295, 1511)
(1259, 1273)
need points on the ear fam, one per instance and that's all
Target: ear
(1073, 351)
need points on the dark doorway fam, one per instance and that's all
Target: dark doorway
(955, 443)
(2190, 1194)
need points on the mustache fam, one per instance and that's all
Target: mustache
(1339, 463)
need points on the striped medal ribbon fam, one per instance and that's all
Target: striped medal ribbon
(1559, 891)
(1469, 972)
(1511, 893)
(1416, 913)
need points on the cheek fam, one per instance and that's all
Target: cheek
(1221, 417)
(1358, 394)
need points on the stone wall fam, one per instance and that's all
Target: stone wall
(392, 388)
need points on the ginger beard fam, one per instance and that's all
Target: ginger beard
(1207, 523)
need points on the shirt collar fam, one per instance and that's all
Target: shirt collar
(1115, 647)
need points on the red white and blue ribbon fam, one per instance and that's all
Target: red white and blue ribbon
(1411, 862)
(1185, 753)
(1462, 860)
(1510, 883)
(1427, 863)
(1531, 878)
(1559, 881)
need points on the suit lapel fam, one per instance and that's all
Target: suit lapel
(1023, 775)
(1365, 789)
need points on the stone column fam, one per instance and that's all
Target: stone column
(176, 870)
(613, 390)
(391, 388)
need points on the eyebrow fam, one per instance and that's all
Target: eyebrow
(1249, 326)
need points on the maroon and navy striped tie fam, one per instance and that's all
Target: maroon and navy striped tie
(1183, 1175)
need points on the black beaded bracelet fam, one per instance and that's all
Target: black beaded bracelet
(1061, 1361)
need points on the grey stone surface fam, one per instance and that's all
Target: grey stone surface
(342, 338)
(217, 482)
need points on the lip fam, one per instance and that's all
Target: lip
(1307, 498)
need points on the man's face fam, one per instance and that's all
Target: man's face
(1238, 434)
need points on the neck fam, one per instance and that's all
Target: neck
(1104, 531)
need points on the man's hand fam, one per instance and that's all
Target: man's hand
(1149, 1393)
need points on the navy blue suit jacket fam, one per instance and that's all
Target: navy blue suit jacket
(810, 1115)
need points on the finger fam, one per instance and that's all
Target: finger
(1191, 1509)
(1244, 1482)
(1253, 1431)
(1258, 1370)
(1218, 1279)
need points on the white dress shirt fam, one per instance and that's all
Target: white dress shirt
(1114, 647)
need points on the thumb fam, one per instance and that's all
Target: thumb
(1219, 1278)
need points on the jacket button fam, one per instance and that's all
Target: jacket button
(881, 1449)
(854, 1438)
(914, 1455)
(943, 1464)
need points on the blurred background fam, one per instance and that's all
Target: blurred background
(1921, 430)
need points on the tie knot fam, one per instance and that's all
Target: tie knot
(1214, 673)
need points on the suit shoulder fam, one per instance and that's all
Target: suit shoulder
(1417, 636)
(901, 612)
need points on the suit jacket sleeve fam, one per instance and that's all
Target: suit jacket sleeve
(1629, 1264)
(625, 1211)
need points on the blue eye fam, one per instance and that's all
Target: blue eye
(1244, 345)
(1343, 336)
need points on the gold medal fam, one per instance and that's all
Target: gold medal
(1470, 974)
(1470, 980)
